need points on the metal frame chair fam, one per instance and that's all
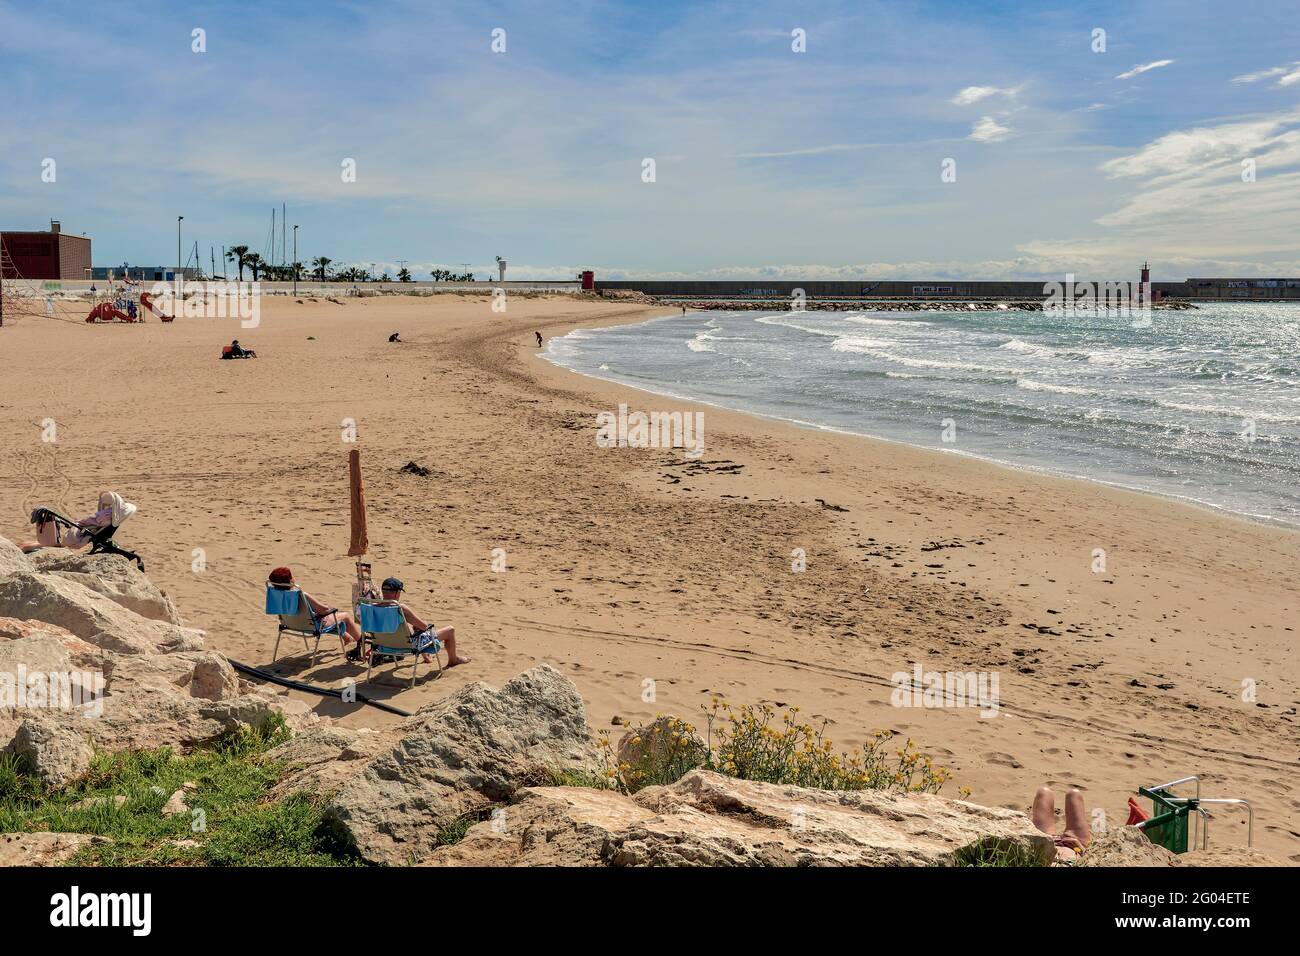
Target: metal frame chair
(303, 621)
(1168, 826)
(385, 628)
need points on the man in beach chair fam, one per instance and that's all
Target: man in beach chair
(302, 614)
(392, 590)
(53, 530)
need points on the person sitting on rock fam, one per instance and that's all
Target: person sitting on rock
(392, 589)
(1077, 832)
(327, 616)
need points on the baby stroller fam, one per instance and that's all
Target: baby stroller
(96, 530)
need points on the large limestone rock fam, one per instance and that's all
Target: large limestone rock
(115, 577)
(325, 758)
(43, 849)
(12, 558)
(90, 615)
(460, 756)
(177, 700)
(82, 654)
(1128, 846)
(709, 820)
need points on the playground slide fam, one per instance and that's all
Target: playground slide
(146, 301)
(105, 312)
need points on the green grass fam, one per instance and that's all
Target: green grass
(993, 852)
(238, 825)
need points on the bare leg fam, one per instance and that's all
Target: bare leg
(349, 625)
(1076, 818)
(1044, 812)
(448, 637)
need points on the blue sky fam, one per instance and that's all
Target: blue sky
(769, 162)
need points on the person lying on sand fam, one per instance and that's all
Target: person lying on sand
(392, 590)
(284, 578)
(49, 535)
(1077, 832)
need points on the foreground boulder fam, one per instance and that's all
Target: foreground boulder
(1128, 846)
(43, 849)
(115, 577)
(90, 615)
(460, 756)
(12, 558)
(706, 819)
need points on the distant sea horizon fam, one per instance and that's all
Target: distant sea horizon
(1203, 406)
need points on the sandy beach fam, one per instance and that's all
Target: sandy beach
(630, 566)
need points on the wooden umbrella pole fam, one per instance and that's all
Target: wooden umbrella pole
(360, 543)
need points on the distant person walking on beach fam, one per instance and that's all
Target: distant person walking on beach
(392, 590)
(539, 339)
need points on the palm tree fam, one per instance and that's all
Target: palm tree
(296, 271)
(321, 264)
(238, 254)
(404, 275)
(255, 262)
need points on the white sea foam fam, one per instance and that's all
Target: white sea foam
(1032, 386)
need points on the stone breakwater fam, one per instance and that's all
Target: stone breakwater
(126, 671)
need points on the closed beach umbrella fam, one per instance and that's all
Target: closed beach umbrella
(360, 541)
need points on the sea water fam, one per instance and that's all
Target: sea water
(1202, 405)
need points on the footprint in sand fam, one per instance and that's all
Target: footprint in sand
(1003, 760)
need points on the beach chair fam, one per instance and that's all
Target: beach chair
(1172, 817)
(296, 617)
(385, 628)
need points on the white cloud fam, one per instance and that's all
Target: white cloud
(1290, 73)
(1142, 68)
(1092, 107)
(1184, 151)
(973, 94)
(989, 130)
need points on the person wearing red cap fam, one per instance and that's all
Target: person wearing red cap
(392, 590)
(331, 617)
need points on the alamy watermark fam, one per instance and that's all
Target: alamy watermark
(22, 689)
(1112, 299)
(624, 429)
(940, 689)
(211, 300)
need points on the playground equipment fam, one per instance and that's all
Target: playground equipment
(18, 296)
(124, 302)
(146, 302)
(1168, 827)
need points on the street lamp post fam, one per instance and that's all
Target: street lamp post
(295, 260)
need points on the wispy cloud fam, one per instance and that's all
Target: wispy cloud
(1289, 74)
(973, 94)
(989, 130)
(1142, 68)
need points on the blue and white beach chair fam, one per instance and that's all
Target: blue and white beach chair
(297, 617)
(385, 628)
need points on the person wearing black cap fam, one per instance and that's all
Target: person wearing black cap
(392, 590)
